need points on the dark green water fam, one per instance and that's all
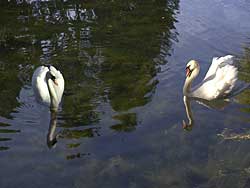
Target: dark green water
(120, 124)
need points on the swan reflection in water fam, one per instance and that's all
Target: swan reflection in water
(51, 136)
(218, 104)
(189, 125)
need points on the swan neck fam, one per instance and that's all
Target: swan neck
(188, 83)
(187, 87)
(53, 96)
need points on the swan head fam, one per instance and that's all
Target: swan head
(52, 74)
(192, 68)
(55, 84)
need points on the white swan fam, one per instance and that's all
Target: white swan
(48, 86)
(219, 81)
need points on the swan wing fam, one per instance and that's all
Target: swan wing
(220, 81)
(60, 80)
(60, 87)
(39, 85)
(225, 79)
(213, 67)
(218, 62)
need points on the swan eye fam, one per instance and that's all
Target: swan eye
(188, 71)
(53, 77)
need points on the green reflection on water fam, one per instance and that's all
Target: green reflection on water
(244, 74)
(128, 122)
(3, 148)
(8, 131)
(107, 51)
(75, 134)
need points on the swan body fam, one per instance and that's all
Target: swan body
(48, 86)
(219, 81)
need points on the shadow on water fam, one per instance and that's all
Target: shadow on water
(109, 53)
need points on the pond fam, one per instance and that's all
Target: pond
(120, 121)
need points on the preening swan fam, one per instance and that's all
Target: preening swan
(218, 83)
(48, 86)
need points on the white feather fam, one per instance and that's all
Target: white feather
(41, 88)
(218, 82)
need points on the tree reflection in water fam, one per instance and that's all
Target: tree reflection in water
(109, 52)
(244, 75)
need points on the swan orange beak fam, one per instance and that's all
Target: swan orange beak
(188, 71)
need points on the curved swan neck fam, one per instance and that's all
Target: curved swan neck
(53, 96)
(187, 87)
(188, 82)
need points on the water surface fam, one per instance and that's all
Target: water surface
(120, 123)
